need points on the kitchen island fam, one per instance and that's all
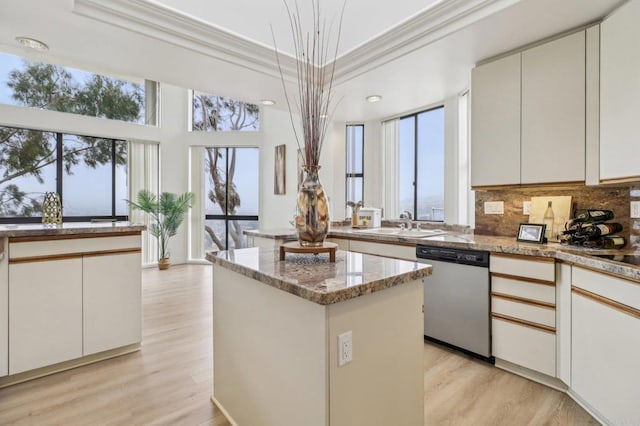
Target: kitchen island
(276, 328)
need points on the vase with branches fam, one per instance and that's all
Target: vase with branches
(315, 64)
(167, 214)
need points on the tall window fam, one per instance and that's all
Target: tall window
(211, 113)
(89, 174)
(54, 87)
(231, 185)
(355, 163)
(421, 165)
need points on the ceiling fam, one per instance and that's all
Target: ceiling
(414, 53)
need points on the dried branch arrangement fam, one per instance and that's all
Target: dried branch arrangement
(314, 97)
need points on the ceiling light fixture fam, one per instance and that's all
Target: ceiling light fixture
(374, 98)
(268, 102)
(32, 43)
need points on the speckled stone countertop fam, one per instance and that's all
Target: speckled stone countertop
(571, 254)
(276, 233)
(315, 278)
(70, 228)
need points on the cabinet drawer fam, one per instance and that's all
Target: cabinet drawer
(536, 314)
(536, 267)
(28, 249)
(617, 289)
(528, 290)
(526, 346)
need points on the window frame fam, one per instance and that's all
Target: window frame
(346, 157)
(60, 178)
(225, 216)
(415, 115)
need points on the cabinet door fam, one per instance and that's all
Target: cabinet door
(495, 122)
(619, 89)
(604, 359)
(45, 313)
(112, 301)
(553, 111)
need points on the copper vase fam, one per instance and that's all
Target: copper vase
(312, 210)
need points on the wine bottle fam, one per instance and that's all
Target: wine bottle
(547, 219)
(593, 229)
(608, 242)
(591, 216)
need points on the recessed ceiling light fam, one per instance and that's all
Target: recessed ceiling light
(268, 102)
(32, 43)
(374, 98)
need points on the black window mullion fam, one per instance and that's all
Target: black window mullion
(113, 178)
(59, 164)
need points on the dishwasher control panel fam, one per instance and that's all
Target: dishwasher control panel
(467, 257)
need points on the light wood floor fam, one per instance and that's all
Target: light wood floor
(170, 380)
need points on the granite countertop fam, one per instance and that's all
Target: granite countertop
(315, 278)
(69, 228)
(452, 239)
(276, 233)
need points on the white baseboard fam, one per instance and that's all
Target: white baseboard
(532, 375)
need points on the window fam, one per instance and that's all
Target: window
(89, 174)
(53, 87)
(231, 185)
(421, 165)
(216, 113)
(355, 163)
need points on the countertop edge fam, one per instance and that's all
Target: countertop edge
(70, 229)
(320, 297)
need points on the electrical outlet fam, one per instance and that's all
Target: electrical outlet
(345, 348)
(526, 208)
(635, 210)
(494, 207)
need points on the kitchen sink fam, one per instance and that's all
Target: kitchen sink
(414, 233)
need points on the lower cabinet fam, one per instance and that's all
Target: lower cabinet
(524, 345)
(605, 371)
(407, 252)
(112, 302)
(45, 313)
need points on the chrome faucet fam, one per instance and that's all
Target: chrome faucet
(407, 216)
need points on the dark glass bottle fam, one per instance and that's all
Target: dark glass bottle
(591, 216)
(608, 242)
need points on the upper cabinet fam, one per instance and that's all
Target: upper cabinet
(553, 114)
(528, 116)
(620, 94)
(495, 130)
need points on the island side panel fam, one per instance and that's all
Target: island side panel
(269, 353)
(384, 384)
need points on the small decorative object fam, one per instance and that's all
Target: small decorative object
(51, 209)
(296, 247)
(167, 214)
(531, 233)
(355, 209)
(279, 173)
(311, 102)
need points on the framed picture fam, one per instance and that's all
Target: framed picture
(280, 171)
(531, 233)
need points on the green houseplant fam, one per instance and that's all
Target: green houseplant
(167, 214)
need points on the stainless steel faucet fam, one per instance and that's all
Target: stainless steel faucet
(407, 216)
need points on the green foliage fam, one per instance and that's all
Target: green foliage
(26, 152)
(218, 113)
(167, 214)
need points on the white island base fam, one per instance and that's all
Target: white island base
(276, 355)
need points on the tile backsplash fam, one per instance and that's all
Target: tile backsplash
(584, 197)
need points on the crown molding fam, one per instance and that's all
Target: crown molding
(157, 21)
(154, 20)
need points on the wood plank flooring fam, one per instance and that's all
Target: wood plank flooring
(170, 380)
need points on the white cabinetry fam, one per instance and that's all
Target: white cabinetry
(495, 130)
(528, 115)
(406, 252)
(606, 345)
(619, 89)
(553, 111)
(523, 315)
(111, 301)
(45, 313)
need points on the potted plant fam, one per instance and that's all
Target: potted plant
(167, 214)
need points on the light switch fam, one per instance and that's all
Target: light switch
(494, 207)
(526, 207)
(635, 210)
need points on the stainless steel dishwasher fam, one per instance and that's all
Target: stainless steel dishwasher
(457, 299)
